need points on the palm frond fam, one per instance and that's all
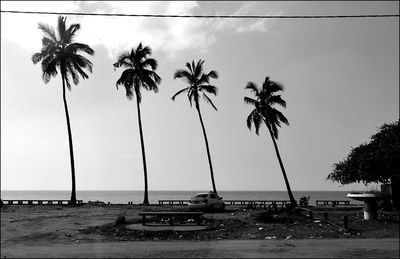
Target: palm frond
(209, 89)
(198, 70)
(48, 31)
(270, 87)
(281, 117)
(145, 51)
(123, 60)
(61, 27)
(71, 71)
(179, 92)
(209, 101)
(276, 99)
(249, 100)
(83, 62)
(73, 48)
(151, 62)
(182, 74)
(37, 57)
(189, 67)
(253, 87)
(213, 74)
(126, 78)
(49, 69)
(255, 118)
(70, 33)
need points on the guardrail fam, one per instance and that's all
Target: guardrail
(40, 202)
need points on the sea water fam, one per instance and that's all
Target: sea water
(123, 197)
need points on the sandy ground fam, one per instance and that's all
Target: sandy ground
(302, 248)
(88, 231)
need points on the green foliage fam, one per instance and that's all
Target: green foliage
(377, 161)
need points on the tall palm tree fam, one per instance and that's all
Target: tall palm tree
(264, 111)
(60, 53)
(139, 72)
(198, 82)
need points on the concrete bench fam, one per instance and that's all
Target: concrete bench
(170, 215)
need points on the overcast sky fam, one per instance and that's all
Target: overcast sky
(341, 79)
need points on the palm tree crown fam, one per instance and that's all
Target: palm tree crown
(198, 82)
(139, 71)
(264, 110)
(60, 52)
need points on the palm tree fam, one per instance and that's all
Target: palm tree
(60, 53)
(198, 82)
(264, 111)
(139, 72)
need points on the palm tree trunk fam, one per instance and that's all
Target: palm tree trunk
(71, 150)
(291, 197)
(146, 194)
(208, 149)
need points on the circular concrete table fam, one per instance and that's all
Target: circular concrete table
(370, 202)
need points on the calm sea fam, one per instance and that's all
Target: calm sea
(123, 197)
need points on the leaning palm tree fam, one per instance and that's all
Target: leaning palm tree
(139, 72)
(60, 53)
(264, 111)
(198, 82)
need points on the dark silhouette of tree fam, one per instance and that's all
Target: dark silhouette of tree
(198, 82)
(264, 111)
(377, 161)
(139, 73)
(60, 53)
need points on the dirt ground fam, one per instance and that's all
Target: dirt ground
(24, 224)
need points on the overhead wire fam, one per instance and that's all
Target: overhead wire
(211, 16)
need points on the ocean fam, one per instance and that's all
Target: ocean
(123, 197)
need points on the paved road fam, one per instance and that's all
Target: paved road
(306, 248)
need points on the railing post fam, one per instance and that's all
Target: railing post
(345, 221)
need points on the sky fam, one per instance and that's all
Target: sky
(341, 79)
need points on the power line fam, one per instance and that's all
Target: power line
(213, 16)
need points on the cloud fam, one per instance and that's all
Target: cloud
(117, 34)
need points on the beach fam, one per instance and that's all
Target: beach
(34, 229)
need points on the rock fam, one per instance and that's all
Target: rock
(68, 235)
(120, 220)
(267, 238)
(261, 229)
(288, 237)
(252, 236)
